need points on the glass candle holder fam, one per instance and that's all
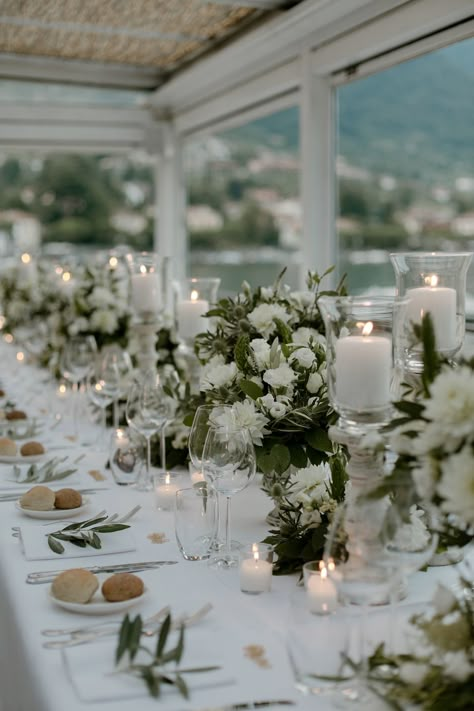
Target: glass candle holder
(321, 592)
(255, 568)
(360, 356)
(146, 285)
(165, 488)
(434, 282)
(193, 298)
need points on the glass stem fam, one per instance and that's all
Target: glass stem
(227, 527)
(104, 425)
(163, 447)
(116, 413)
(75, 408)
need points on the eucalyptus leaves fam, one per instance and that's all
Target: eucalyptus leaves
(86, 533)
(157, 671)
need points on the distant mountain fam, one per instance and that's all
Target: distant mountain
(415, 120)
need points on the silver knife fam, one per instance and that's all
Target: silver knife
(249, 705)
(47, 576)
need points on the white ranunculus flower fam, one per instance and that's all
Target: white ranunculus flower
(303, 356)
(261, 351)
(452, 400)
(443, 600)
(457, 665)
(218, 376)
(280, 377)
(413, 672)
(303, 335)
(456, 486)
(104, 321)
(278, 410)
(315, 382)
(263, 318)
(101, 298)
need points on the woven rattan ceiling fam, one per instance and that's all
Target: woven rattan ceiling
(163, 35)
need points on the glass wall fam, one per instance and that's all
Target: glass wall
(244, 212)
(405, 166)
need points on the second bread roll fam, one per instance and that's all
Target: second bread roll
(122, 586)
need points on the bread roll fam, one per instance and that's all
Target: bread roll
(75, 585)
(122, 586)
(2, 393)
(16, 415)
(67, 499)
(7, 447)
(39, 498)
(30, 449)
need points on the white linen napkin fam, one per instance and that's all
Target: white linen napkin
(91, 669)
(35, 542)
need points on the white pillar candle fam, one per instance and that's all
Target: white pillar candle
(189, 315)
(166, 494)
(440, 302)
(363, 370)
(255, 573)
(321, 593)
(145, 292)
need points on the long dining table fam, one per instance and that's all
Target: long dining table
(245, 635)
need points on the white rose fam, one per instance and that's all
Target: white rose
(457, 665)
(278, 410)
(413, 672)
(267, 400)
(280, 377)
(443, 600)
(314, 383)
(303, 356)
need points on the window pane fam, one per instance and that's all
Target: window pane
(405, 167)
(244, 211)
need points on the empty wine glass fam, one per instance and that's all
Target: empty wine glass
(229, 464)
(103, 386)
(147, 411)
(121, 360)
(76, 362)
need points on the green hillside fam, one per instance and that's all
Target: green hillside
(414, 120)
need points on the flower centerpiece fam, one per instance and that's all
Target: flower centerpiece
(266, 356)
(433, 438)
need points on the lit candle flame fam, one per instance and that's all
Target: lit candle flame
(431, 280)
(255, 552)
(62, 388)
(20, 356)
(58, 270)
(331, 565)
(167, 479)
(25, 258)
(113, 261)
(142, 269)
(368, 328)
(66, 276)
(324, 573)
(8, 338)
(194, 295)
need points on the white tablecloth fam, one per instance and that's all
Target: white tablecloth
(35, 679)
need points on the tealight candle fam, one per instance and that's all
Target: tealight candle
(165, 492)
(196, 477)
(256, 569)
(321, 593)
(189, 316)
(363, 370)
(440, 302)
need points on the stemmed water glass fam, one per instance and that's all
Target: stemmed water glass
(120, 359)
(103, 387)
(77, 361)
(148, 411)
(229, 465)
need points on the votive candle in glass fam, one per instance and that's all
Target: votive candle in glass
(256, 568)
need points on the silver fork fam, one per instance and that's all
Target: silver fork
(73, 631)
(185, 620)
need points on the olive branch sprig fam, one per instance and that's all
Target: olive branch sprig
(157, 671)
(86, 533)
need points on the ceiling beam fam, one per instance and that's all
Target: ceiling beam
(73, 71)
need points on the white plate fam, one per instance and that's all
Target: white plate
(54, 514)
(98, 605)
(20, 459)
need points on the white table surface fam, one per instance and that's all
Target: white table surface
(34, 679)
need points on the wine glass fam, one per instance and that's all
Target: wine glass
(229, 465)
(147, 411)
(116, 355)
(103, 387)
(363, 575)
(76, 362)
